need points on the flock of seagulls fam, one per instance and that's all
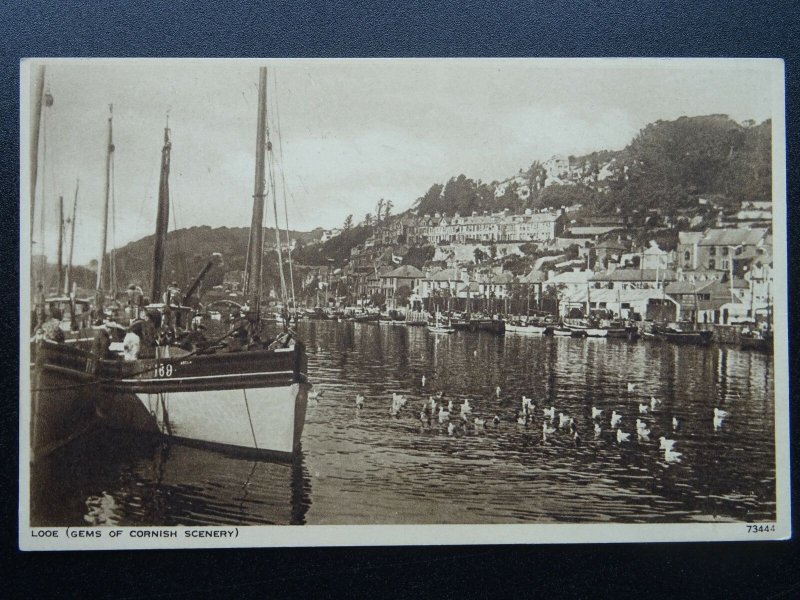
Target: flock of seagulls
(458, 418)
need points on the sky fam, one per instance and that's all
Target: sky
(349, 131)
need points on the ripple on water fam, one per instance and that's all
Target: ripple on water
(365, 466)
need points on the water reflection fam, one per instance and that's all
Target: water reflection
(364, 466)
(113, 478)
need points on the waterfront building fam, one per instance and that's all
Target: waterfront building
(624, 279)
(730, 249)
(392, 280)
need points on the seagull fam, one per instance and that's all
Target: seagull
(631, 387)
(675, 423)
(654, 402)
(497, 392)
(576, 436)
(643, 409)
(432, 404)
(665, 444)
(359, 401)
(450, 406)
(616, 419)
(550, 412)
(622, 437)
(465, 408)
(444, 416)
(596, 412)
(423, 380)
(479, 422)
(547, 430)
(474, 353)
(496, 420)
(564, 420)
(672, 456)
(316, 395)
(522, 420)
(597, 430)
(451, 429)
(640, 424)
(643, 435)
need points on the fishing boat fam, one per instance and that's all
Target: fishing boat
(518, 327)
(561, 331)
(245, 391)
(677, 335)
(756, 340)
(440, 325)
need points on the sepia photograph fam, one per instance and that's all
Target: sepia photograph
(542, 298)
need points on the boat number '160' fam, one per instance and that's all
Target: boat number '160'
(163, 370)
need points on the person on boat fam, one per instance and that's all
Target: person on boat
(172, 297)
(51, 327)
(130, 345)
(102, 343)
(282, 341)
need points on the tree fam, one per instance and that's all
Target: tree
(379, 211)
(387, 210)
(368, 219)
(348, 223)
(480, 256)
(377, 299)
(402, 295)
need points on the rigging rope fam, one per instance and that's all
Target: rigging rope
(284, 297)
(283, 180)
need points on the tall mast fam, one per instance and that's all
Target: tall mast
(71, 240)
(38, 92)
(104, 237)
(60, 243)
(252, 281)
(162, 219)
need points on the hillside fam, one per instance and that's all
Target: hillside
(668, 165)
(187, 250)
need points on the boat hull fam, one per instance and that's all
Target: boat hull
(532, 329)
(251, 400)
(266, 420)
(697, 338)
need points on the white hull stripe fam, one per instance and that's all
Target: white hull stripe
(138, 380)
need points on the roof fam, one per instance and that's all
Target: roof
(611, 245)
(592, 230)
(687, 287)
(405, 272)
(533, 277)
(636, 275)
(732, 237)
(444, 275)
(689, 237)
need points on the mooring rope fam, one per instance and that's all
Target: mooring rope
(250, 420)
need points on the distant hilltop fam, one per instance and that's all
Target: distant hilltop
(668, 165)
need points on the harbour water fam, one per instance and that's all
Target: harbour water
(368, 467)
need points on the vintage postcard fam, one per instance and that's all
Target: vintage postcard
(357, 302)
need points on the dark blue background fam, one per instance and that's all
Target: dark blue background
(204, 28)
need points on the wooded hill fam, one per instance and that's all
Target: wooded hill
(668, 165)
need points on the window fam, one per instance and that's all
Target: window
(712, 251)
(687, 256)
(724, 251)
(725, 264)
(712, 264)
